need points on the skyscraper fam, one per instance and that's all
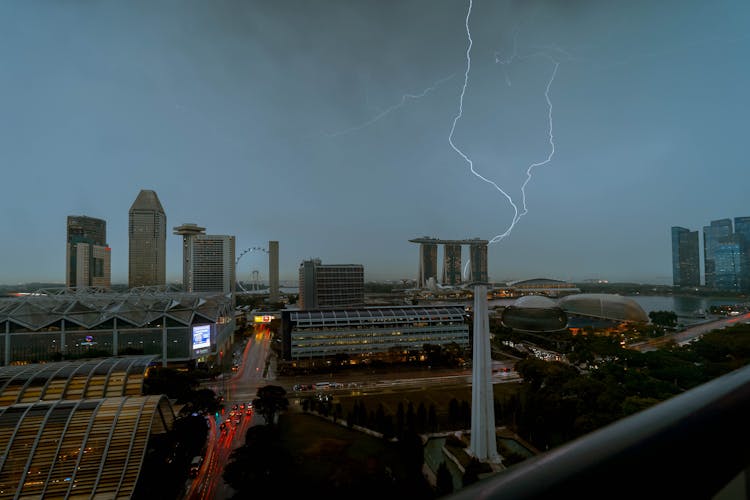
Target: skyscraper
(713, 235)
(330, 286)
(88, 258)
(685, 257)
(478, 262)
(147, 240)
(427, 263)
(742, 231)
(727, 264)
(207, 260)
(212, 262)
(452, 264)
(187, 231)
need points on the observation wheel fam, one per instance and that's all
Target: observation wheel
(237, 265)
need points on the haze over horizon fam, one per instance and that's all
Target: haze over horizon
(325, 126)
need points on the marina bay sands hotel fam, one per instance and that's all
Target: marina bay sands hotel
(428, 257)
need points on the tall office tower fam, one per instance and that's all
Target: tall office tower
(187, 231)
(212, 266)
(88, 257)
(685, 257)
(452, 264)
(727, 264)
(273, 271)
(712, 236)
(147, 241)
(331, 285)
(478, 262)
(427, 263)
(742, 231)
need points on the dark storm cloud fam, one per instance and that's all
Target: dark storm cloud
(228, 109)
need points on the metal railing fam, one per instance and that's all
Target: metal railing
(690, 446)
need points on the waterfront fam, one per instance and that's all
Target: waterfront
(685, 306)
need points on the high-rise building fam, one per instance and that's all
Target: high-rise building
(208, 263)
(147, 241)
(685, 257)
(212, 264)
(478, 263)
(727, 264)
(427, 263)
(713, 235)
(331, 285)
(88, 257)
(187, 231)
(452, 264)
(742, 231)
(273, 271)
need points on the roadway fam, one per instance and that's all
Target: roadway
(238, 390)
(242, 388)
(690, 334)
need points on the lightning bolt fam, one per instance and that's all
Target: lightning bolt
(404, 99)
(517, 214)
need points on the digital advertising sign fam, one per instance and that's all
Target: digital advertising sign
(201, 337)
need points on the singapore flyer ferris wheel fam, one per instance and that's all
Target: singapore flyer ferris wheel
(237, 265)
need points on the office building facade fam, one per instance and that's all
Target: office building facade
(208, 261)
(330, 285)
(369, 332)
(213, 268)
(88, 257)
(147, 241)
(452, 264)
(727, 264)
(685, 257)
(713, 235)
(742, 232)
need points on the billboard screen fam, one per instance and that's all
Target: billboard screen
(201, 337)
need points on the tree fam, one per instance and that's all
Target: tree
(663, 318)
(421, 417)
(253, 473)
(400, 419)
(271, 399)
(432, 418)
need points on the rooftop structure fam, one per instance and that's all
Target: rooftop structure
(451, 275)
(151, 320)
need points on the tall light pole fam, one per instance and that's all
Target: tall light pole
(483, 444)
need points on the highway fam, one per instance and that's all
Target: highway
(690, 334)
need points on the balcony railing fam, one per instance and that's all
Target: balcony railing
(690, 446)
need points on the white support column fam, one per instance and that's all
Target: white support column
(483, 442)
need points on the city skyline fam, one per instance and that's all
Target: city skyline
(326, 127)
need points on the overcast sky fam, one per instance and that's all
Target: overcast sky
(325, 125)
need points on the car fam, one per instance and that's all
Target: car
(195, 465)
